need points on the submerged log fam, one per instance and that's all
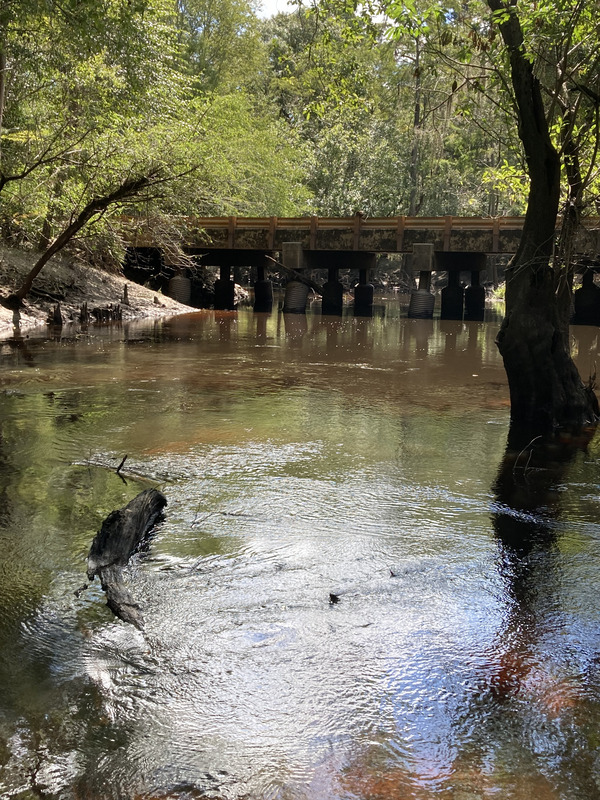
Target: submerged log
(123, 533)
(118, 598)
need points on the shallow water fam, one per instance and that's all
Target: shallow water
(301, 457)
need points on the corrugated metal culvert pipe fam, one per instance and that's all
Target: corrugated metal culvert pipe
(180, 289)
(296, 295)
(421, 304)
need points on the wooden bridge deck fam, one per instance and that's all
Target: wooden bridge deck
(491, 235)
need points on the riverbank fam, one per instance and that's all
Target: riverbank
(70, 283)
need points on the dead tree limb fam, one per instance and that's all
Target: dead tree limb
(122, 534)
(297, 276)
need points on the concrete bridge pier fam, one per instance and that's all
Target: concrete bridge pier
(296, 292)
(421, 299)
(474, 295)
(363, 295)
(224, 290)
(586, 301)
(475, 298)
(453, 298)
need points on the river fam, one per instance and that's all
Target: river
(343, 600)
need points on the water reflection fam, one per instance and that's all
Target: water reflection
(518, 722)
(352, 456)
(531, 665)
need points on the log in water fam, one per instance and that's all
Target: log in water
(122, 534)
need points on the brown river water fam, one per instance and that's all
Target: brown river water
(301, 457)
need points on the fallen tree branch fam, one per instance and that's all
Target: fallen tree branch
(297, 276)
(97, 205)
(122, 534)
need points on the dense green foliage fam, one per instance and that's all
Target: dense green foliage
(394, 108)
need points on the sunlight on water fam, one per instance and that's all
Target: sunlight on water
(345, 599)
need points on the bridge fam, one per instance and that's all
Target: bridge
(450, 244)
(364, 234)
(359, 233)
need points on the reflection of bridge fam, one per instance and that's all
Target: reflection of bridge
(451, 244)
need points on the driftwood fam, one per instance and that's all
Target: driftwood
(297, 276)
(123, 533)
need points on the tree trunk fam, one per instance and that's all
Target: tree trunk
(2, 92)
(545, 387)
(413, 172)
(58, 181)
(128, 188)
(571, 217)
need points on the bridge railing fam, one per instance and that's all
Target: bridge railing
(338, 223)
(359, 232)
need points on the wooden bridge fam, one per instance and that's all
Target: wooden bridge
(485, 235)
(451, 244)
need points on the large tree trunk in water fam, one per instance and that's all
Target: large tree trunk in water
(545, 387)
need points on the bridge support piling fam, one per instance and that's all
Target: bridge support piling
(224, 290)
(475, 263)
(363, 295)
(180, 287)
(586, 301)
(453, 297)
(475, 299)
(333, 294)
(263, 290)
(296, 292)
(364, 289)
(421, 299)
